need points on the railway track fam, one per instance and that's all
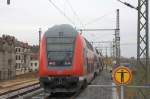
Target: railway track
(20, 92)
(66, 96)
(58, 95)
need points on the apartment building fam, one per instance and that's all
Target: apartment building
(22, 57)
(34, 62)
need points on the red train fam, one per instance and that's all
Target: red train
(67, 60)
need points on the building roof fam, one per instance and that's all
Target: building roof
(7, 39)
(21, 44)
(34, 49)
(34, 56)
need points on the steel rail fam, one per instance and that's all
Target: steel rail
(20, 91)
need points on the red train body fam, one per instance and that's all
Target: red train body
(67, 60)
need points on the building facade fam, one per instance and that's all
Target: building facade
(22, 57)
(34, 65)
(7, 57)
(34, 62)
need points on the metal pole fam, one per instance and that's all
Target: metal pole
(114, 49)
(40, 31)
(106, 59)
(147, 41)
(111, 50)
(117, 39)
(143, 46)
(122, 92)
(81, 31)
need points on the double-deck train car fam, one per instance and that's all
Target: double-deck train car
(67, 60)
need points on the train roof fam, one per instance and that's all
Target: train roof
(63, 30)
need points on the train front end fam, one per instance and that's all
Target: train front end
(61, 60)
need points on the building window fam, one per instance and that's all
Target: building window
(16, 65)
(31, 64)
(30, 58)
(35, 64)
(19, 57)
(19, 50)
(19, 65)
(9, 61)
(16, 57)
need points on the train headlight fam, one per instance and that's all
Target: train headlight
(50, 78)
(81, 78)
(67, 63)
(52, 63)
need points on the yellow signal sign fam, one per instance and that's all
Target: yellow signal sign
(122, 75)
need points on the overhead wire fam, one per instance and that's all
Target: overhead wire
(75, 13)
(124, 44)
(61, 12)
(99, 18)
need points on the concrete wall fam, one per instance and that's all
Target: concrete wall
(7, 58)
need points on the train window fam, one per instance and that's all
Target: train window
(89, 45)
(97, 51)
(60, 47)
(59, 58)
(60, 51)
(61, 34)
(57, 40)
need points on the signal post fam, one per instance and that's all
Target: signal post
(122, 76)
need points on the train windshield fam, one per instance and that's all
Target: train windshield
(60, 51)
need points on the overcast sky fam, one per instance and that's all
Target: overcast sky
(22, 18)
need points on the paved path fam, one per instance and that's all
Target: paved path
(99, 92)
